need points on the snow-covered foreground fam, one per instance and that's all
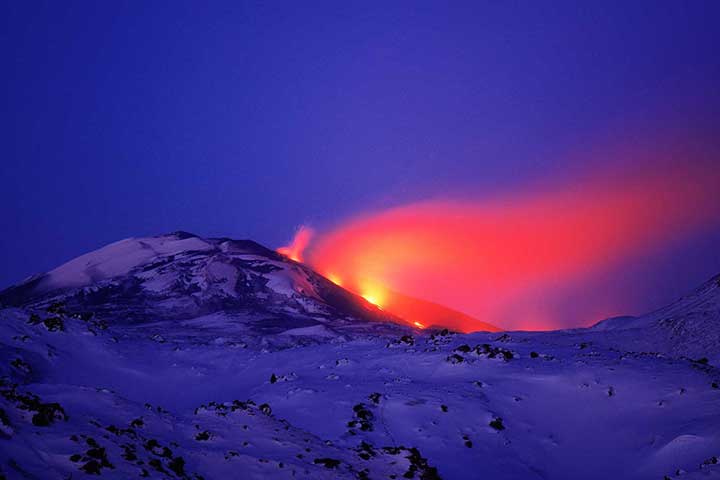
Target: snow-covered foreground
(292, 391)
(571, 409)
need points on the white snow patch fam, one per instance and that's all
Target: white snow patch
(314, 331)
(118, 258)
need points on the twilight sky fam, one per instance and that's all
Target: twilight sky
(248, 119)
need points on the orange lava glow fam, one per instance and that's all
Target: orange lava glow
(294, 251)
(334, 278)
(373, 293)
(483, 257)
(372, 300)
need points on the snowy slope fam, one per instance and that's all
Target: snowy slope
(228, 361)
(182, 277)
(689, 327)
(571, 408)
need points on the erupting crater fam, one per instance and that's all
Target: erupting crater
(510, 261)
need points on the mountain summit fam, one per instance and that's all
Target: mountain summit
(180, 276)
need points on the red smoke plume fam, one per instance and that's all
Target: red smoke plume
(295, 250)
(488, 258)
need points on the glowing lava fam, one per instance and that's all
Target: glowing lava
(333, 278)
(373, 293)
(294, 251)
(370, 298)
(503, 260)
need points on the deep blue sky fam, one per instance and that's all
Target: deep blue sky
(246, 119)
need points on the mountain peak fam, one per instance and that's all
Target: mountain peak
(180, 276)
(180, 234)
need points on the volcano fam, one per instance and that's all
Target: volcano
(425, 314)
(182, 276)
(181, 357)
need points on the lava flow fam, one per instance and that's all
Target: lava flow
(502, 259)
(294, 251)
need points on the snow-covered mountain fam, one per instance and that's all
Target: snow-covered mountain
(688, 327)
(181, 276)
(181, 357)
